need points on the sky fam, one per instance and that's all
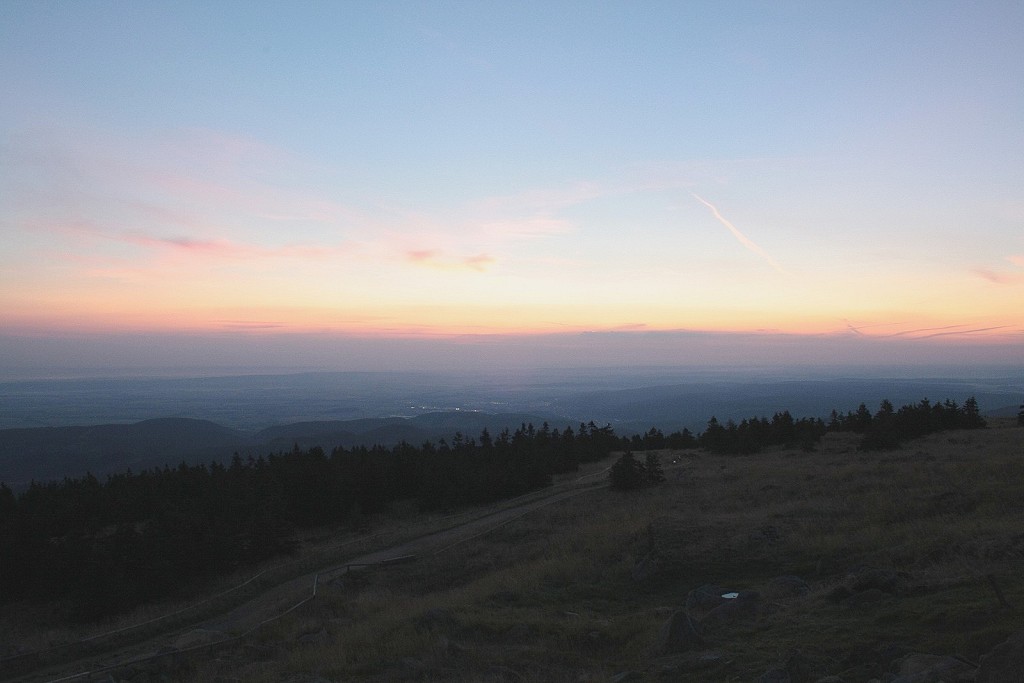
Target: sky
(371, 185)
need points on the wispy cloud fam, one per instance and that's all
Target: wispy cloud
(253, 325)
(230, 249)
(965, 332)
(1016, 259)
(435, 259)
(918, 333)
(193, 246)
(999, 278)
(743, 239)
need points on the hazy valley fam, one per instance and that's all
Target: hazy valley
(52, 428)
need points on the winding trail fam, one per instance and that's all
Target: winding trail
(240, 620)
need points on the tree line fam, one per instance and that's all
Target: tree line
(886, 428)
(105, 546)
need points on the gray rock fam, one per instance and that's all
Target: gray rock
(679, 634)
(775, 676)
(1005, 662)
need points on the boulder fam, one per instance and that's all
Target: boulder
(679, 634)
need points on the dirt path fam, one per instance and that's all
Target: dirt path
(274, 602)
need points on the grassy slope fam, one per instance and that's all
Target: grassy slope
(551, 596)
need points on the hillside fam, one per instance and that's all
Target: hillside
(854, 562)
(52, 453)
(851, 564)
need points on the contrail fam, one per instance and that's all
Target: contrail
(744, 240)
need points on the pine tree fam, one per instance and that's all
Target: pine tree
(653, 474)
(626, 473)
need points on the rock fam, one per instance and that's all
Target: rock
(679, 634)
(782, 587)
(775, 676)
(830, 679)
(705, 598)
(625, 676)
(1005, 662)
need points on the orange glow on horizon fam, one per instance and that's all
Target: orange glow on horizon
(509, 321)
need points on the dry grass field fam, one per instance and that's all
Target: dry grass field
(916, 550)
(912, 550)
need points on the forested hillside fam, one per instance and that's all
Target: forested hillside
(102, 546)
(107, 545)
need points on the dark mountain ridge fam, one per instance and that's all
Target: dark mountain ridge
(52, 453)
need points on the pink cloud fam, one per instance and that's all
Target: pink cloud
(431, 258)
(228, 249)
(214, 248)
(1016, 259)
(420, 255)
(479, 262)
(999, 278)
